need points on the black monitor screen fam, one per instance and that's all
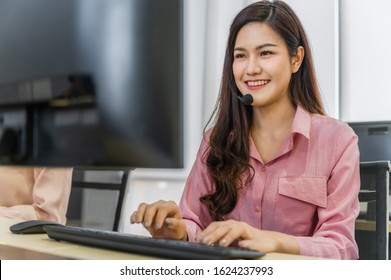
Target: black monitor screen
(374, 140)
(91, 83)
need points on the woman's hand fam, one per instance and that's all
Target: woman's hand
(241, 234)
(161, 219)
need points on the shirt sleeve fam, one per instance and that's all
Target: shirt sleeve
(334, 233)
(50, 196)
(198, 183)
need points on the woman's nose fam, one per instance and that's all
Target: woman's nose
(253, 67)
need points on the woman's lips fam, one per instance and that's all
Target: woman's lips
(256, 84)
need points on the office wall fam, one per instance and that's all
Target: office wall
(365, 60)
(207, 25)
(320, 20)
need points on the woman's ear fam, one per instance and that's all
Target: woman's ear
(297, 59)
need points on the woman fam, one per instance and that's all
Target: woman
(28, 193)
(276, 176)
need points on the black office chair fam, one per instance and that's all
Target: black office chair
(372, 233)
(96, 198)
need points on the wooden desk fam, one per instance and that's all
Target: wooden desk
(40, 246)
(14, 253)
(41, 243)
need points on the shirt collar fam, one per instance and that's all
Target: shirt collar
(301, 122)
(301, 125)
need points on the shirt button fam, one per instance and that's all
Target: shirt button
(263, 168)
(257, 209)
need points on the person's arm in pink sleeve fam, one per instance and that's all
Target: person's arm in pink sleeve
(334, 234)
(51, 193)
(22, 212)
(198, 184)
(35, 193)
(183, 221)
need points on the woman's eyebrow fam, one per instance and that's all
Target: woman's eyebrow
(258, 47)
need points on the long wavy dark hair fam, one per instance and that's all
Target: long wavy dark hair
(227, 157)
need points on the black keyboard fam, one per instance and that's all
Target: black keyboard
(157, 247)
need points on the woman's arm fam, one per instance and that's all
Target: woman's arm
(39, 193)
(334, 232)
(51, 192)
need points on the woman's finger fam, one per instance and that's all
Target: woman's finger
(138, 215)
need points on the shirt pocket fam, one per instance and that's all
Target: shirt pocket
(297, 202)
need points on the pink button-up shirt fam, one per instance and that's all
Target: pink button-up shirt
(308, 190)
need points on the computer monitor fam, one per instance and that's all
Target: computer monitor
(91, 83)
(374, 139)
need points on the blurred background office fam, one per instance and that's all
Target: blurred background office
(349, 40)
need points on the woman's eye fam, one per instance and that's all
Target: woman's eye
(264, 53)
(239, 55)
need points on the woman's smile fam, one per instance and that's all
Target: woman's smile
(256, 84)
